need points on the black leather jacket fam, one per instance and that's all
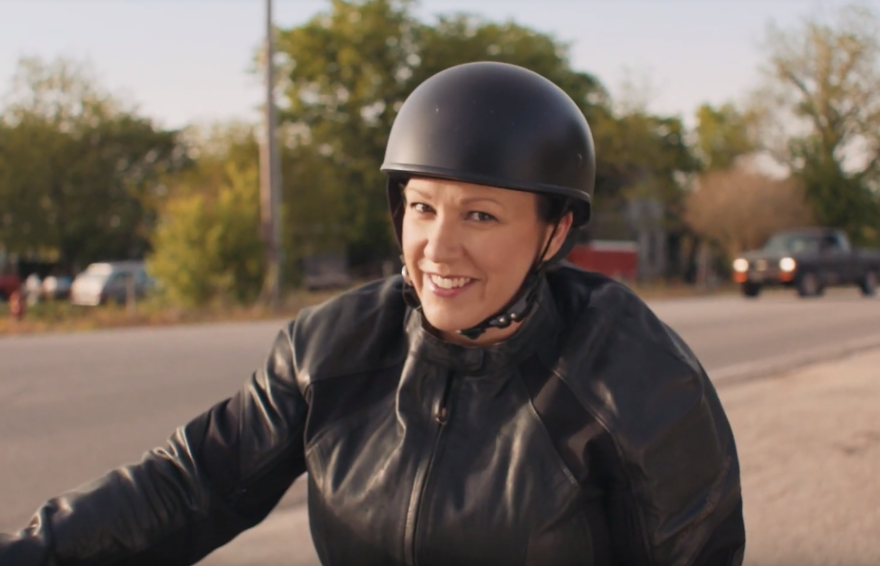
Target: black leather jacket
(590, 437)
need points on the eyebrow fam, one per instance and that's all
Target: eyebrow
(479, 199)
(464, 201)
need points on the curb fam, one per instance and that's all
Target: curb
(777, 365)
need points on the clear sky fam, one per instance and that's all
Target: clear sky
(187, 61)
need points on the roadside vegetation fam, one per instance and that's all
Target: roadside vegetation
(61, 316)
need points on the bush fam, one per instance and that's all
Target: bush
(207, 247)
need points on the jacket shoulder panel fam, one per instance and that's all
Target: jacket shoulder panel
(616, 349)
(647, 389)
(359, 331)
(581, 295)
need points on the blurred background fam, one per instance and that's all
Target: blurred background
(132, 131)
(146, 180)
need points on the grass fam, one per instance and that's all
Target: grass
(61, 316)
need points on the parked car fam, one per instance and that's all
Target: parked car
(326, 271)
(808, 260)
(56, 287)
(33, 288)
(108, 282)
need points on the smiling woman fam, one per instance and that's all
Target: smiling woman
(490, 406)
(468, 248)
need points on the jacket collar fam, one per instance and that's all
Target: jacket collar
(537, 335)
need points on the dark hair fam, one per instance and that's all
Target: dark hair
(551, 208)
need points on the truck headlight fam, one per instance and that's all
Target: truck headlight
(787, 264)
(740, 265)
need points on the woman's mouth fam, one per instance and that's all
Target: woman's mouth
(447, 287)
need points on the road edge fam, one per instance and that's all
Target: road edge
(784, 364)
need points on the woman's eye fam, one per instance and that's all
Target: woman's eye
(481, 216)
(421, 207)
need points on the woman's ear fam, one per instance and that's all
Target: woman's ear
(559, 235)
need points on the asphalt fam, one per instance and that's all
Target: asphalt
(809, 445)
(73, 406)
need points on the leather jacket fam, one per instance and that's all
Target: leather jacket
(592, 436)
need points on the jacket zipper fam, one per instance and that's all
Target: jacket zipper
(232, 497)
(440, 415)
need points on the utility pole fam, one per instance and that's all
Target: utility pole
(270, 177)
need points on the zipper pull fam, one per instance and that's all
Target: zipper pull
(441, 412)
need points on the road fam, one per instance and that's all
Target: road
(72, 406)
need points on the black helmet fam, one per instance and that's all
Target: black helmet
(493, 124)
(499, 125)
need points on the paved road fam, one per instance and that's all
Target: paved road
(72, 406)
(809, 447)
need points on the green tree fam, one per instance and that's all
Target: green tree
(823, 95)
(76, 167)
(349, 71)
(722, 135)
(315, 208)
(207, 246)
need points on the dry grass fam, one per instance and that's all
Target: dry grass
(60, 316)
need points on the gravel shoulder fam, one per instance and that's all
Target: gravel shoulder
(809, 445)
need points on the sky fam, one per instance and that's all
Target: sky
(188, 61)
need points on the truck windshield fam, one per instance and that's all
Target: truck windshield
(792, 244)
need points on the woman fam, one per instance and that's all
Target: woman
(489, 407)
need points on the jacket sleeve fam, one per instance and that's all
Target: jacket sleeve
(671, 472)
(218, 475)
(677, 502)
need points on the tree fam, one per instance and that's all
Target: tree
(348, 68)
(316, 207)
(351, 68)
(207, 246)
(76, 167)
(739, 209)
(722, 135)
(822, 94)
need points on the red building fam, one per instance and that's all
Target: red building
(616, 259)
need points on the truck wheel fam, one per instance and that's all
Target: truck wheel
(868, 284)
(808, 285)
(750, 289)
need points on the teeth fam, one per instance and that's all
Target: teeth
(449, 283)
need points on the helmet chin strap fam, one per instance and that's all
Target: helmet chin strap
(520, 305)
(515, 311)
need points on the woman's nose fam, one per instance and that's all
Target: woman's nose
(444, 240)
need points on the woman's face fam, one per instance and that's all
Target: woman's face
(468, 249)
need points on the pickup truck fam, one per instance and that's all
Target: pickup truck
(808, 260)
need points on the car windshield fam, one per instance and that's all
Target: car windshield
(792, 243)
